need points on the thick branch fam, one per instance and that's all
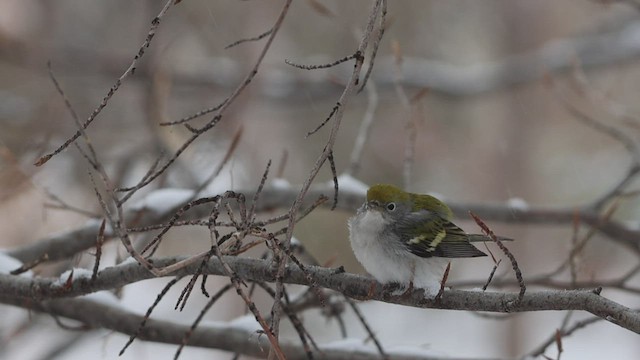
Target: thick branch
(222, 336)
(351, 285)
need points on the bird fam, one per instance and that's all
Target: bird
(405, 238)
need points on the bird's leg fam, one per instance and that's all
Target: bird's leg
(409, 289)
(372, 290)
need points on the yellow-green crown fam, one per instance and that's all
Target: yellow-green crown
(385, 193)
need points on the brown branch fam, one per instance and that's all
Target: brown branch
(506, 251)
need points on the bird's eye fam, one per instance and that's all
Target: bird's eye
(391, 206)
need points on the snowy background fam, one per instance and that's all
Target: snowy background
(482, 137)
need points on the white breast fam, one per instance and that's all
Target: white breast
(387, 260)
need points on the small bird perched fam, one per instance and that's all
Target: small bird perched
(405, 238)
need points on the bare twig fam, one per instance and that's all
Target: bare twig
(99, 242)
(334, 173)
(91, 158)
(506, 251)
(493, 272)
(443, 282)
(295, 207)
(376, 44)
(28, 266)
(196, 115)
(130, 70)
(255, 38)
(225, 159)
(333, 111)
(367, 328)
(321, 66)
(364, 131)
(562, 333)
(196, 322)
(148, 313)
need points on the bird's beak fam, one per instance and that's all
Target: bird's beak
(371, 205)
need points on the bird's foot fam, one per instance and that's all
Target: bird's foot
(398, 289)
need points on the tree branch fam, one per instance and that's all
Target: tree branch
(354, 286)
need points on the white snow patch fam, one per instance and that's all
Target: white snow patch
(9, 263)
(414, 350)
(281, 184)
(347, 182)
(517, 203)
(78, 273)
(247, 323)
(163, 200)
(128, 260)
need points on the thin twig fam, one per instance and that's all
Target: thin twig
(493, 272)
(233, 145)
(148, 313)
(196, 115)
(506, 251)
(445, 276)
(255, 38)
(366, 326)
(197, 321)
(295, 207)
(28, 266)
(364, 131)
(376, 44)
(321, 66)
(99, 242)
(130, 70)
(252, 210)
(334, 174)
(91, 158)
(333, 111)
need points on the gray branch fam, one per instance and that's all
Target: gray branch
(67, 244)
(221, 337)
(354, 286)
(592, 50)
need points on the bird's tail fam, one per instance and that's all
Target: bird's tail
(480, 237)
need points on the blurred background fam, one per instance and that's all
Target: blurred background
(483, 83)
